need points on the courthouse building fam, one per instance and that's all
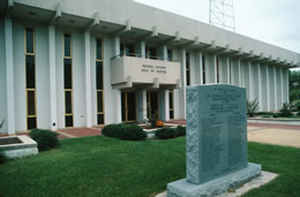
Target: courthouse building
(73, 63)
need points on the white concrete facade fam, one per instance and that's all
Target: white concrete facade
(241, 61)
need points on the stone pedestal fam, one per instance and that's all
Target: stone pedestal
(182, 188)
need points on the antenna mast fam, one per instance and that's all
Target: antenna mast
(221, 14)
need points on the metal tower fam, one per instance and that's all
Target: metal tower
(221, 14)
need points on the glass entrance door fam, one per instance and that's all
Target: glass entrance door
(128, 106)
(152, 104)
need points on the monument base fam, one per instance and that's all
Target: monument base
(182, 188)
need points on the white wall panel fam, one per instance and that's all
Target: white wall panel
(19, 69)
(272, 88)
(278, 87)
(235, 71)
(60, 79)
(42, 77)
(3, 100)
(264, 88)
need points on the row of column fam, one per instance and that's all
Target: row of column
(254, 76)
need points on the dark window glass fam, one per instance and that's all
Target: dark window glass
(130, 50)
(123, 102)
(30, 102)
(203, 69)
(30, 72)
(121, 49)
(170, 55)
(218, 70)
(100, 119)
(151, 53)
(171, 100)
(99, 75)
(171, 114)
(68, 102)
(188, 78)
(131, 104)
(29, 40)
(187, 60)
(99, 49)
(100, 101)
(31, 123)
(68, 73)
(67, 45)
(69, 121)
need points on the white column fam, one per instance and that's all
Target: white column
(228, 70)
(251, 85)
(282, 86)
(144, 95)
(52, 72)
(183, 82)
(8, 30)
(88, 82)
(216, 70)
(275, 89)
(268, 88)
(240, 73)
(166, 93)
(260, 99)
(201, 67)
(167, 105)
(143, 49)
(117, 93)
(288, 86)
(165, 53)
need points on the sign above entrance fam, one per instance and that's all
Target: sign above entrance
(128, 72)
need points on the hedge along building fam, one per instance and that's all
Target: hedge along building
(73, 64)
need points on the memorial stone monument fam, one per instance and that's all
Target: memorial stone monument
(216, 146)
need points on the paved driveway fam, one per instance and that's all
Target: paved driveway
(277, 136)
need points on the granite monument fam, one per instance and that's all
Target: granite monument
(216, 145)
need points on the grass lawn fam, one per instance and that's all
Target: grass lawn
(105, 167)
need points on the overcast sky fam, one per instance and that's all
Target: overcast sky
(273, 21)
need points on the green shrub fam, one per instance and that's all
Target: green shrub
(286, 110)
(276, 115)
(133, 132)
(113, 130)
(124, 132)
(264, 113)
(2, 158)
(166, 133)
(252, 107)
(45, 139)
(296, 105)
(181, 131)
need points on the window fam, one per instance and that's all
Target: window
(99, 82)
(151, 53)
(203, 69)
(68, 81)
(171, 104)
(188, 73)
(30, 79)
(170, 55)
(128, 50)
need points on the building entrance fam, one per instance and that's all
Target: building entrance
(152, 105)
(128, 106)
